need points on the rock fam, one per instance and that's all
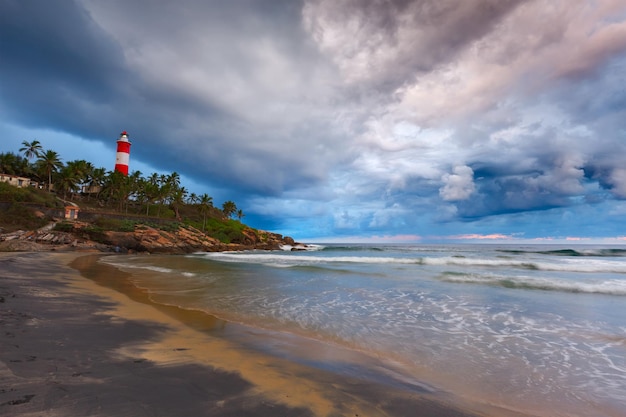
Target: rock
(143, 238)
(298, 248)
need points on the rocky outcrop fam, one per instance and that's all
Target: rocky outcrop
(82, 236)
(188, 239)
(44, 240)
(148, 239)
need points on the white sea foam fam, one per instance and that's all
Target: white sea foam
(565, 265)
(302, 259)
(307, 247)
(296, 259)
(422, 311)
(128, 265)
(610, 286)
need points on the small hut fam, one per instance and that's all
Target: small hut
(71, 212)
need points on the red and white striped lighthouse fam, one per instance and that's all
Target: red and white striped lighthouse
(122, 157)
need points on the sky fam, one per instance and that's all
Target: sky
(352, 120)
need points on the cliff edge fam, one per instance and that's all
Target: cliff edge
(143, 239)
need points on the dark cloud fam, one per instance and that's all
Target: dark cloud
(58, 69)
(61, 40)
(511, 195)
(353, 116)
(65, 72)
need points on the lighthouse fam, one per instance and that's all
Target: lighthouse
(122, 156)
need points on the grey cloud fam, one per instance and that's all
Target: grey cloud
(385, 44)
(226, 92)
(459, 185)
(360, 108)
(58, 67)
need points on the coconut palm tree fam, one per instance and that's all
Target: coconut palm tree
(163, 192)
(193, 198)
(229, 208)
(31, 149)
(206, 202)
(174, 179)
(134, 184)
(67, 180)
(177, 199)
(81, 170)
(7, 161)
(116, 189)
(13, 164)
(95, 181)
(49, 162)
(150, 191)
(240, 214)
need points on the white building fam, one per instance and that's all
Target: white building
(15, 180)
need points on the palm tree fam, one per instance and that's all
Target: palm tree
(206, 202)
(116, 189)
(67, 181)
(82, 170)
(95, 181)
(31, 149)
(169, 187)
(174, 179)
(134, 184)
(149, 193)
(7, 161)
(153, 179)
(177, 199)
(240, 214)
(163, 192)
(193, 198)
(229, 208)
(49, 162)
(13, 164)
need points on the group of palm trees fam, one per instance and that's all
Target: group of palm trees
(111, 188)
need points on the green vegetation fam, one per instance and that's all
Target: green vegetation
(8, 193)
(16, 211)
(15, 217)
(230, 231)
(158, 200)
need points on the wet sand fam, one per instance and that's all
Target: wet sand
(94, 345)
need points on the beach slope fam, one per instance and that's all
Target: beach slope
(70, 347)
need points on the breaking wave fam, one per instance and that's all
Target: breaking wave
(600, 252)
(306, 259)
(609, 286)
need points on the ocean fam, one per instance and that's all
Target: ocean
(539, 329)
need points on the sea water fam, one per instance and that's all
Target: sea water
(539, 329)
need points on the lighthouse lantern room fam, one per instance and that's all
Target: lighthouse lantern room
(122, 157)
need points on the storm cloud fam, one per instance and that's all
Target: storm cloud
(344, 119)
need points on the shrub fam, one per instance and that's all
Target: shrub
(116, 225)
(27, 195)
(64, 227)
(226, 231)
(18, 217)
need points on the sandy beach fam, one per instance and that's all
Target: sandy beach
(92, 345)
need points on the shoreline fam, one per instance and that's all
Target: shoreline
(76, 345)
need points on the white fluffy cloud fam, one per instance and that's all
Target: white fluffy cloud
(374, 113)
(459, 185)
